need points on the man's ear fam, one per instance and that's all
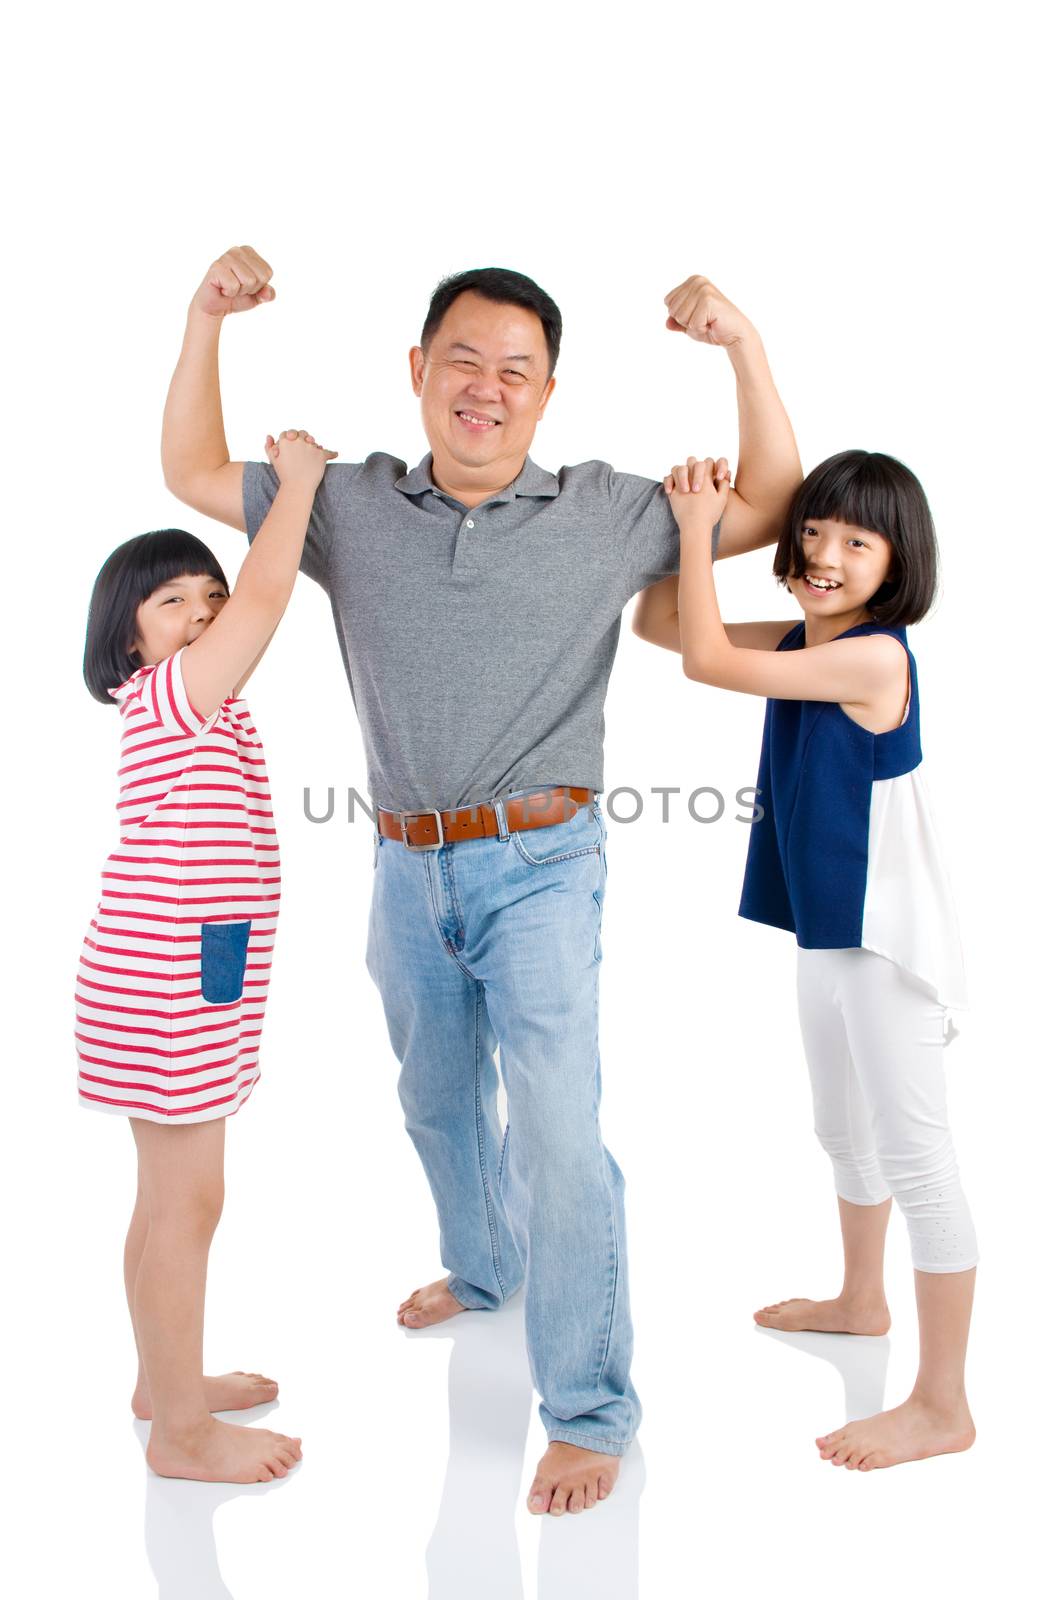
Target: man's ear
(546, 395)
(417, 362)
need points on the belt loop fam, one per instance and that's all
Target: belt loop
(502, 821)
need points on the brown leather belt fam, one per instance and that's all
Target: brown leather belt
(429, 830)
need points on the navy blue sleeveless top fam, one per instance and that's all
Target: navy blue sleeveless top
(807, 861)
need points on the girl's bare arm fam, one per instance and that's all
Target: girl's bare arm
(855, 672)
(227, 652)
(657, 620)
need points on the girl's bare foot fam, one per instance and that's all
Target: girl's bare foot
(911, 1432)
(427, 1306)
(233, 1391)
(569, 1478)
(826, 1316)
(222, 1452)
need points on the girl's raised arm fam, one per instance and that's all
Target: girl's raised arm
(656, 619)
(851, 671)
(226, 653)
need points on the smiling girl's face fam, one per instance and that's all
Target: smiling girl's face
(175, 615)
(844, 568)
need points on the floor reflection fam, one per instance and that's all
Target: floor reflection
(474, 1553)
(178, 1523)
(860, 1359)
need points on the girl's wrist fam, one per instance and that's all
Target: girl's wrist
(296, 493)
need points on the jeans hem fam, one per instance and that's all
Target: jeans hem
(588, 1441)
(462, 1293)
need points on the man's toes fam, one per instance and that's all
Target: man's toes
(590, 1495)
(540, 1495)
(577, 1499)
(603, 1489)
(560, 1497)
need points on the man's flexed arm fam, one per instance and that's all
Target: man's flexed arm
(195, 461)
(769, 471)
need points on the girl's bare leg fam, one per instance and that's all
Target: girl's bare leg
(935, 1420)
(861, 1305)
(182, 1185)
(230, 1391)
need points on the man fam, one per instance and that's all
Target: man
(478, 601)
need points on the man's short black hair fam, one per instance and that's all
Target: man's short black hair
(129, 575)
(873, 491)
(506, 288)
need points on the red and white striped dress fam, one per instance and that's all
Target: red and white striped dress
(198, 846)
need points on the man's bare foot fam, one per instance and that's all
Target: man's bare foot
(911, 1432)
(222, 1452)
(232, 1391)
(826, 1316)
(571, 1479)
(427, 1306)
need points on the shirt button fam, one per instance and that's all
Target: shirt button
(469, 523)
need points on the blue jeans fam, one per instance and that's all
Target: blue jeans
(498, 941)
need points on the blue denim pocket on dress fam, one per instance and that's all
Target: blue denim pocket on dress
(224, 961)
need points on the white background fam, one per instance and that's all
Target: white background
(871, 185)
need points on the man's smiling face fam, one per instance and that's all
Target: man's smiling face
(483, 385)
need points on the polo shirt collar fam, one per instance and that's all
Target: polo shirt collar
(533, 482)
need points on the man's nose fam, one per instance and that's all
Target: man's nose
(485, 385)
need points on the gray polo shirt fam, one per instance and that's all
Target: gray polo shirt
(478, 644)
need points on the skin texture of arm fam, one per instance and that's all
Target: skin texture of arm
(656, 620)
(195, 460)
(769, 469)
(858, 672)
(227, 652)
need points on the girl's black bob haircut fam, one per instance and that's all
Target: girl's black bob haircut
(877, 492)
(128, 576)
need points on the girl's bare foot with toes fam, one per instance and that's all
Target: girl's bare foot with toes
(426, 1307)
(232, 1391)
(911, 1432)
(222, 1452)
(841, 1315)
(569, 1478)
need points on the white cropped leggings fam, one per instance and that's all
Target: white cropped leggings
(874, 1042)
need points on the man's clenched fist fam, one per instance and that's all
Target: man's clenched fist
(697, 308)
(237, 281)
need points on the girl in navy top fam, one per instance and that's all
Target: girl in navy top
(846, 857)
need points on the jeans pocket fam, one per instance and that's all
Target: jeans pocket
(560, 841)
(223, 955)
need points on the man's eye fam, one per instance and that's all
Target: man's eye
(219, 594)
(469, 366)
(513, 372)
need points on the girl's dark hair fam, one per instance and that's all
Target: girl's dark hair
(506, 288)
(128, 576)
(877, 492)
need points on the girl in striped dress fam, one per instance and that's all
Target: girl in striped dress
(175, 966)
(846, 856)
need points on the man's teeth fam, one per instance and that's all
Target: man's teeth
(477, 422)
(822, 583)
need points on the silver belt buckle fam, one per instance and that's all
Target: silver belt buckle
(437, 815)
